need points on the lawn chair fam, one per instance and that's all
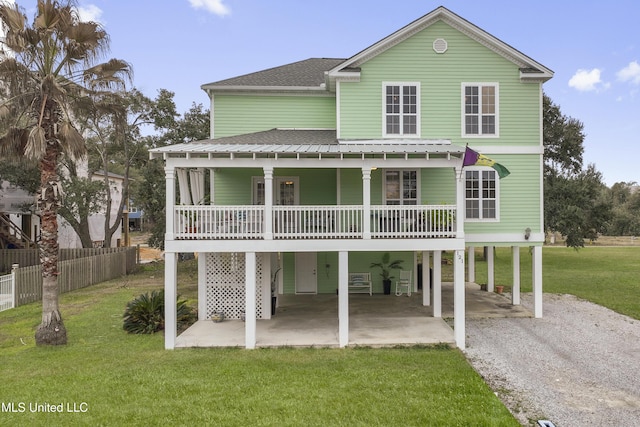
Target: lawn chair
(404, 285)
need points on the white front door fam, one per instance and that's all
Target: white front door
(306, 268)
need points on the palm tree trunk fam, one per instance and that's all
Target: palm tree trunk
(51, 331)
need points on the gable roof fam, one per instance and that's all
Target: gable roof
(528, 67)
(309, 73)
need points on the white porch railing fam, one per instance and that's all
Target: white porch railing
(211, 222)
(317, 222)
(420, 221)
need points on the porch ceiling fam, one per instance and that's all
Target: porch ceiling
(312, 143)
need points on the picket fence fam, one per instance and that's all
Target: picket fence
(90, 267)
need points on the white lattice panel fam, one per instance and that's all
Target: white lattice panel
(226, 288)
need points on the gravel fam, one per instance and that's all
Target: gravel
(579, 365)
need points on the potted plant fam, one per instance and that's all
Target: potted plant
(385, 266)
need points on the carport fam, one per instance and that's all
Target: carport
(377, 321)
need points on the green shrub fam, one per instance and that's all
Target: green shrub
(145, 314)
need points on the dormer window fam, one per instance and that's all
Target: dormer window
(401, 109)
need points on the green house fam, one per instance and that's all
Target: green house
(316, 169)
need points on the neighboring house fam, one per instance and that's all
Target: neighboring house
(20, 223)
(17, 226)
(321, 166)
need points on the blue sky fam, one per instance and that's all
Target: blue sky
(593, 47)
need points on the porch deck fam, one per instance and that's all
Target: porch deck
(378, 320)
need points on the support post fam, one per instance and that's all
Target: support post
(515, 288)
(343, 298)
(170, 299)
(536, 274)
(250, 299)
(490, 269)
(459, 299)
(268, 203)
(366, 203)
(437, 284)
(471, 264)
(426, 278)
(14, 294)
(170, 202)
(202, 285)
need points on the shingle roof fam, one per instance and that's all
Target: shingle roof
(307, 73)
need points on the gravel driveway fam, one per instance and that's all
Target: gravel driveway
(577, 366)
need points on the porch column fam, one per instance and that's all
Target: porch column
(471, 264)
(460, 203)
(490, 269)
(170, 201)
(515, 289)
(268, 203)
(437, 284)
(343, 298)
(250, 299)
(202, 286)
(366, 203)
(458, 299)
(536, 274)
(426, 278)
(170, 299)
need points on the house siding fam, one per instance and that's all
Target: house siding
(440, 77)
(236, 115)
(520, 196)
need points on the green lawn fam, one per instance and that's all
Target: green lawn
(121, 379)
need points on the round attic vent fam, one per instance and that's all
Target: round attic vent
(440, 45)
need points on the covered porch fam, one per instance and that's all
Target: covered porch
(378, 320)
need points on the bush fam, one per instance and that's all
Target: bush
(145, 314)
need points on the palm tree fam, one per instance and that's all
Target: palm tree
(48, 70)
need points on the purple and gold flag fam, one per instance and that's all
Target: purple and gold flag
(473, 158)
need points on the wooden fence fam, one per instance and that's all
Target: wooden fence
(28, 257)
(75, 273)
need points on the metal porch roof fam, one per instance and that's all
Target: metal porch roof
(311, 142)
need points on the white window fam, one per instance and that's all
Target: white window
(480, 109)
(481, 194)
(401, 187)
(401, 109)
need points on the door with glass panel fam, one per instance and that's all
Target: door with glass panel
(400, 189)
(286, 192)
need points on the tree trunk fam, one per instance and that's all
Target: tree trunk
(51, 331)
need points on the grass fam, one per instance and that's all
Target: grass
(122, 379)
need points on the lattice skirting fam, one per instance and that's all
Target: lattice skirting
(225, 287)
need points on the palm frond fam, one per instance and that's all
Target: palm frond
(36, 144)
(12, 17)
(51, 87)
(12, 144)
(111, 74)
(72, 142)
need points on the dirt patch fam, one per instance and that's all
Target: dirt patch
(150, 254)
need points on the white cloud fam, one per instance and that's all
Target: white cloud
(89, 13)
(586, 80)
(630, 73)
(214, 6)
